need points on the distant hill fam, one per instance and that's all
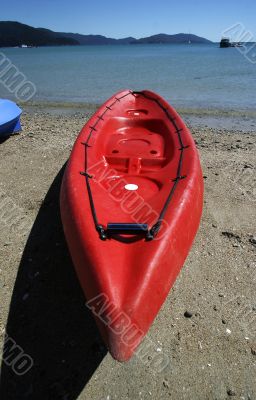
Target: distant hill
(178, 38)
(96, 39)
(15, 34)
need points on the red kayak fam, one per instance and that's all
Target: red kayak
(131, 203)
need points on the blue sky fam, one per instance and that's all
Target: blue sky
(117, 18)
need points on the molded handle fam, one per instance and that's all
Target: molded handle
(126, 228)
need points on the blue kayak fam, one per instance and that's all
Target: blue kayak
(9, 118)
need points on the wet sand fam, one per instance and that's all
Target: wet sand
(212, 353)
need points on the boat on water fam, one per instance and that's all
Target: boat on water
(225, 43)
(9, 118)
(26, 46)
(237, 44)
(131, 202)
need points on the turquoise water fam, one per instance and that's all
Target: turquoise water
(192, 76)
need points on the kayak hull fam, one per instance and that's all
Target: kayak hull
(126, 278)
(10, 128)
(9, 118)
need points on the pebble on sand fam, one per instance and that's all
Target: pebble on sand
(253, 239)
(188, 314)
(166, 384)
(231, 392)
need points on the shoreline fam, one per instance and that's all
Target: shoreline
(230, 119)
(223, 111)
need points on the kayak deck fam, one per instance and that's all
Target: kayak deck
(138, 143)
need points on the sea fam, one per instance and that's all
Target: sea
(189, 76)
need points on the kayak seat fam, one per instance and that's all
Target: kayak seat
(134, 147)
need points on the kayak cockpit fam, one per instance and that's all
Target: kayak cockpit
(136, 146)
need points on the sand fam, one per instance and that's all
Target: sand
(212, 354)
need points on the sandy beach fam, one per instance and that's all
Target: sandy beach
(211, 350)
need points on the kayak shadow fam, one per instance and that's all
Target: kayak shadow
(4, 139)
(48, 318)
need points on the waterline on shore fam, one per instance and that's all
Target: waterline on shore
(233, 119)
